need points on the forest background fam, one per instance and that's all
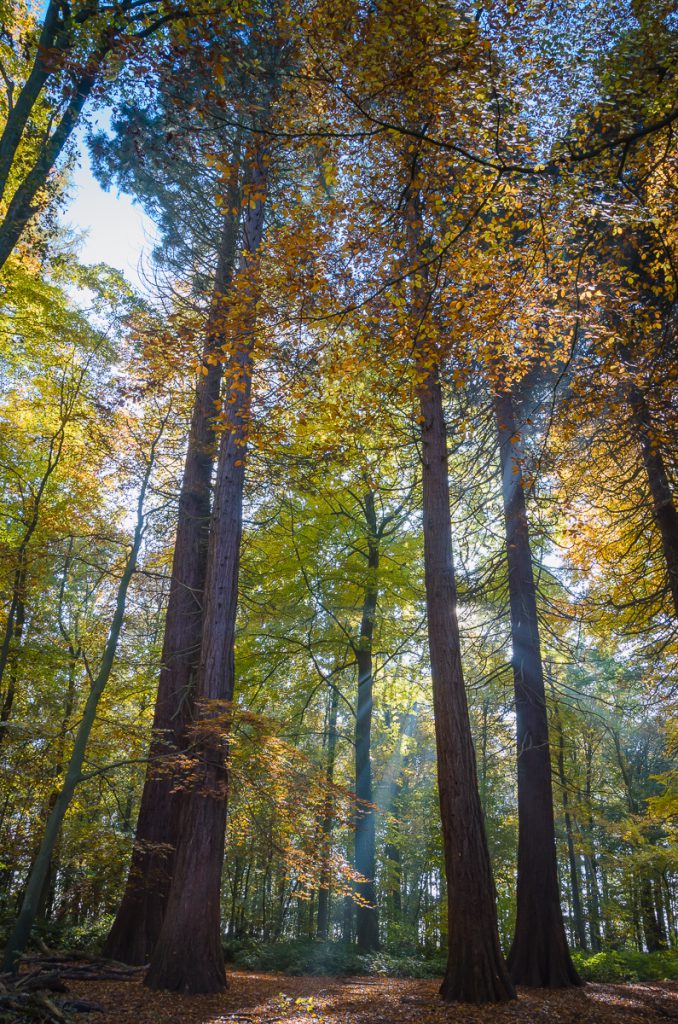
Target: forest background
(379, 228)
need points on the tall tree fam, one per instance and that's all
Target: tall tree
(137, 925)
(476, 972)
(188, 956)
(539, 955)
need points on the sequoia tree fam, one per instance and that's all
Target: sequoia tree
(137, 924)
(188, 956)
(539, 955)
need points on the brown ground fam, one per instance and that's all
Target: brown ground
(278, 999)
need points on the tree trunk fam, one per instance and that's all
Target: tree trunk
(367, 920)
(659, 911)
(476, 971)
(137, 925)
(663, 504)
(22, 204)
(17, 609)
(578, 917)
(539, 955)
(14, 632)
(188, 956)
(20, 113)
(654, 940)
(328, 819)
(389, 797)
(590, 862)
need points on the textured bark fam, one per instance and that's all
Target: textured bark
(188, 956)
(476, 971)
(539, 954)
(367, 920)
(137, 925)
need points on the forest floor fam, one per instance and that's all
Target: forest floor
(254, 998)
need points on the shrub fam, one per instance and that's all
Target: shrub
(627, 965)
(307, 957)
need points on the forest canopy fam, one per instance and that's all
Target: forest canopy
(339, 553)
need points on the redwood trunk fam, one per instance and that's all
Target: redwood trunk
(476, 971)
(188, 956)
(539, 954)
(139, 919)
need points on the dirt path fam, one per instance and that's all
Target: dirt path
(271, 998)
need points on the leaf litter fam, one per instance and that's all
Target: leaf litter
(258, 998)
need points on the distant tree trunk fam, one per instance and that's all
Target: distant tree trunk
(24, 924)
(14, 631)
(188, 956)
(654, 939)
(590, 862)
(578, 917)
(367, 921)
(663, 504)
(328, 818)
(137, 925)
(389, 799)
(393, 856)
(659, 911)
(235, 884)
(643, 903)
(476, 971)
(663, 882)
(539, 955)
(347, 920)
(46, 900)
(16, 613)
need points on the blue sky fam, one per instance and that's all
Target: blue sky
(116, 231)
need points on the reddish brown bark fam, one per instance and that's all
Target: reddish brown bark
(476, 971)
(139, 919)
(188, 956)
(539, 954)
